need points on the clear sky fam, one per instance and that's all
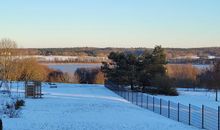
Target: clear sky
(111, 23)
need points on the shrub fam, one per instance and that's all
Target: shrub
(10, 110)
(89, 75)
(164, 85)
(57, 76)
(19, 103)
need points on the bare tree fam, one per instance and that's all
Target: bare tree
(211, 78)
(7, 52)
(184, 75)
(31, 70)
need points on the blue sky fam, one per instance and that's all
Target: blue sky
(111, 23)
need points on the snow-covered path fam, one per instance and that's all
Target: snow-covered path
(86, 107)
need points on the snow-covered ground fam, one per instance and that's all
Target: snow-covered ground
(197, 98)
(86, 107)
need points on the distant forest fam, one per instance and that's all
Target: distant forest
(104, 52)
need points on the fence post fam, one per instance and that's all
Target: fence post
(153, 104)
(124, 94)
(189, 114)
(160, 106)
(169, 109)
(202, 116)
(147, 101)
(137, 98)
(128, 95)
(141, 99)
(218, 117)
(132, 96)
(178, 112)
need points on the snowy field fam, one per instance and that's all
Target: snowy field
(86, 107)
(197, 98)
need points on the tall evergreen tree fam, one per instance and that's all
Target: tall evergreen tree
(129, 69)
(122, 69)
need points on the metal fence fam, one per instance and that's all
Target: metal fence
(201, 117)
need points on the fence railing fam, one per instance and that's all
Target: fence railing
(201, 117)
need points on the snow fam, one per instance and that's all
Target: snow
(197, 98)
(86, 107)
(53, 58)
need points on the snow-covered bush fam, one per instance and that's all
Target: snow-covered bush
(12, 108)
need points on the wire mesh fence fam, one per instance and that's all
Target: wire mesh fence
(201, 117)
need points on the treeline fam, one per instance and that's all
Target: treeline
(200, 52)
(80, 51)
(104, 52)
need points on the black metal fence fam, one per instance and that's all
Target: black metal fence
(202, 117)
